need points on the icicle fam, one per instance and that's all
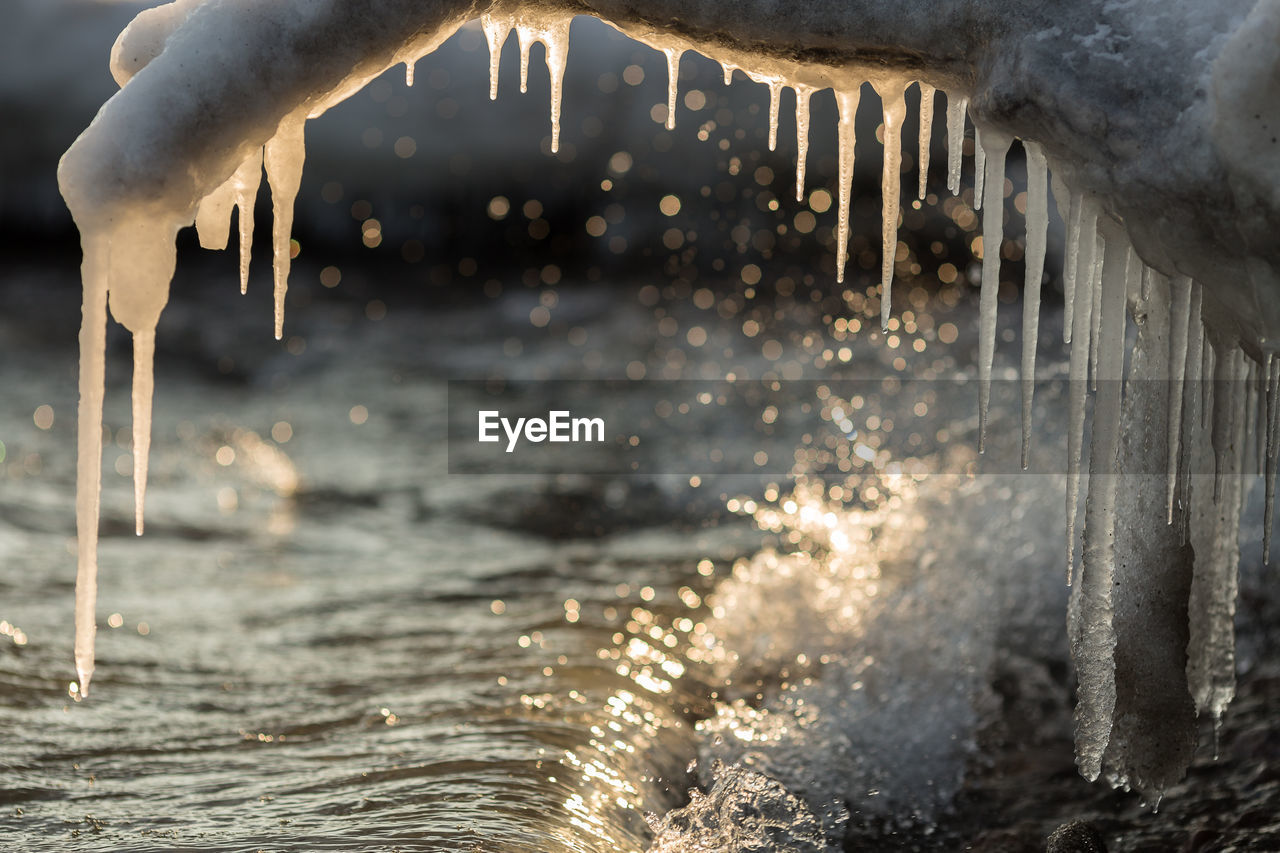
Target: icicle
(803, 94)
(728, 73)
(213, 216)
(1273, 432)
(283, 157)
(1192, 399)
(1179, 314)
(555, 38)
(1206, 387)
(408, 73)
(1093, 638)
(895, 110)
(1097, 316)
(925, 134)
(495, 33)
(673, 86)
(979, 168)
(1247, 462)
(1215, 527)
(526, 38)
(848, 104)
(1077, 386)
(775, 103)
(144, 349)
(995, 146)
(247, 180)
(1071, 264)
(956, 109)
(1037, 219)
(93, 346)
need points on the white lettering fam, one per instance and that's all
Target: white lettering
(513, 435)
(559, 426)
(488, 422)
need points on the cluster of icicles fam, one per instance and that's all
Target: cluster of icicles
(1175, 657)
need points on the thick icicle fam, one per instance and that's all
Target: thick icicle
(495, 34)
(925, 135)
(1093, 638)
(895, 110)
(213, 216)
(673, 90)
(1037, 219)
(1215, 527)
(144, 349)
(979, 168)
(1179, 315)
(956, 108)
(1269, 471)
(1077, 386)
(995, 146)
(93, 346)
(848, 104)
(1154, 732)
(283, 157)
(775, 105)
(1192, 399)
(728, 73)
(1071, 263)
(803, 94)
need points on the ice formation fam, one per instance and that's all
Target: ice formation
(1154, 594)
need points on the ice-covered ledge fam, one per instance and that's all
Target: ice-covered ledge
(1168, 111)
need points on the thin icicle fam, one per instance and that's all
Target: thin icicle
(93, 346)
(526, 38)
(775, 104)
(1093, 638)
(1273, 432)
(979, 169)
(408, 73)
(1096, 275)
(673, 85)
(144, 350)
(895, 110)
(1077, 386)
(495, 34)
(925, 135)
(1037, 219)
(1071, 264)
(555, 38)
(995, 146)
(803, 94)
(283, 157)
(1192, 399)
(956, 108)
(848, 104)
(247, 180)
(1179, 315)
(1206, 387)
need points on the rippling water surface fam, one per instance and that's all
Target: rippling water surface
(326, 642)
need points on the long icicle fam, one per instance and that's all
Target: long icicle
(1179, 314)
(93, 347)
(775, 106)
(556, 41)
(895, 110)
(495, 34)
(283, 158)
(1078, 375)
(144, 350)
(1273, 433)
(1192, 398)
(1037, 219)
(1093, 638)
(925, 135)
(995, 146)
(526, 38)
(673, 86)
(1071, 265)
(1096, 274)
(848, 103)
(956, 108)
(803, 94)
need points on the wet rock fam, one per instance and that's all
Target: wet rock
(1076, 837)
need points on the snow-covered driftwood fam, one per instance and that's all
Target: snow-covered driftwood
(1157, 120)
